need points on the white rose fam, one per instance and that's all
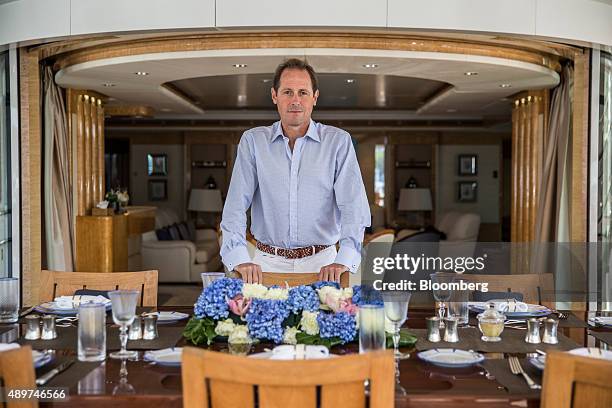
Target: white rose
(254, 290)
(309, 323)
(224, 327)
(329, 293)
(277, 294)
(347, 293)
(240, 335)
(289, 337)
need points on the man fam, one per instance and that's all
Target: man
(303, 184)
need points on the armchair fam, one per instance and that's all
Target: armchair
(180, 260)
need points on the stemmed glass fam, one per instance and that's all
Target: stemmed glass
(441, 295)
(123, 388)
(124, 311)
(396, 310)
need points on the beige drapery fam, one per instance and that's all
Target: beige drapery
(59, 228)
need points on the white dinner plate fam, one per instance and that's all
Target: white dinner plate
(532, 310)
(51, 308)
(592, 352)
(170, 317)
(40, 359)
(166, 357)
(452, 358)
(605, 321)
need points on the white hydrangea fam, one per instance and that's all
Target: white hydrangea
(289, 337)
(254, 290)
(240, 335)
(309, 323)
(224, 327)
(277, 294)
(329, 292)
(347, 293)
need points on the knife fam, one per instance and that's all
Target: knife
(52, 373)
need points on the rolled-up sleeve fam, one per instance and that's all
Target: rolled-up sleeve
(352, 202)
(239, 197)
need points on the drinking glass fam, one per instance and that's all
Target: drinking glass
(92, 332)
(458, 306)
(396, 310)
(442, 295)
(371, 328)
(124, 311)
(210, 277)
(9, 300)
(123, 388)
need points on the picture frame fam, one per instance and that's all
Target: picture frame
(157, 164)
(467, 191)
(158, 190)
(467, 165)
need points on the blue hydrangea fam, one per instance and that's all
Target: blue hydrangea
(320, 284)
(213, 300)
(265, 318)
(342, 325)
(366, 295)
(302, 298)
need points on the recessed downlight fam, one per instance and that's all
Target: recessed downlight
(239, 65)
(505, 85)
(370, 66)
(350, 81)
(470, 73)
(108, 84)
(141, 73)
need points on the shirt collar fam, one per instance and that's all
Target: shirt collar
(312, 132)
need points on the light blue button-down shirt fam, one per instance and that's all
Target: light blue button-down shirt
(311, 196)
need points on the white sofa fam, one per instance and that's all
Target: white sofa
(180, 261)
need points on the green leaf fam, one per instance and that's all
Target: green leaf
(406, 339)
(199, 331)
(308, 339)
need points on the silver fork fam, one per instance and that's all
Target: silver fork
(515, 368)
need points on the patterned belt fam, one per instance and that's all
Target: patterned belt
(294, 253)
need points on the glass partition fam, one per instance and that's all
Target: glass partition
(5, 168)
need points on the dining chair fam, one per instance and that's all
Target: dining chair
(17, 372)
(297, 279)
(375, 245)
(535, 287)
(574, 382)
(54, 284)
(220, 380)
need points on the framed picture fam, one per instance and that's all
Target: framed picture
(158, 190)
(467, 191)
(157, 164)
(468, 164)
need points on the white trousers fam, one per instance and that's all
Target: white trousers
(312, 263)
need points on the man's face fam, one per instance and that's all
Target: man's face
(295, 98)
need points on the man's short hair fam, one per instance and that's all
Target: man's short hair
(296, 63)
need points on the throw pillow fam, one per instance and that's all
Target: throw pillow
(184, 231)
(174, 232)
(163, 234)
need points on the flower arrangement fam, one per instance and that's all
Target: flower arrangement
(322, 313)
(117, 198)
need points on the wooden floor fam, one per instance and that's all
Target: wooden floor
(178, 294)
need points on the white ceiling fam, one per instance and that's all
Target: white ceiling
(479, 95)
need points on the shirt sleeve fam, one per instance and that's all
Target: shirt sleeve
(239, 197)
(352, 202)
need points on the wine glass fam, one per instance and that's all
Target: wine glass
(442, 295)
(123, 388)
(124, 311)
(396, 310)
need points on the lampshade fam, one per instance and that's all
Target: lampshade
(414, 199)
(205, 200)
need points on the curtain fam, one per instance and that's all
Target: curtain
(59, 227)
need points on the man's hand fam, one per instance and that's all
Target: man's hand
(250, 272)
(332, 272)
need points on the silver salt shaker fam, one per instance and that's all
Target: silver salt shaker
(533, 331)
(135, 332)
(150, 327)
(550, 331)
(32, 327)
(433, 329)
(48, 329)
(451, 335)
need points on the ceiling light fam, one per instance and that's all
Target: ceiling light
(350, 81)
(108, 84)
(239, 65)
(370, 66)
(505, 86)
(470, 73)
(266, 81)
(141, 73)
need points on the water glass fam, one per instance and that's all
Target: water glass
(124, 310)
(9, 300)
(210, 277)
(396, 310)
(458, 306)
(371, 328)
(92, 332)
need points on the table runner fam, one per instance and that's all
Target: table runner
(605, 337)
(513, 341)
(67, 340)
(72, 375)
(515, 384)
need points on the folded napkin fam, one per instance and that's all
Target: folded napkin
(299, 352)
(154, 355)
(601, 320)
(8, 346)
(72, 302)
(510, 305)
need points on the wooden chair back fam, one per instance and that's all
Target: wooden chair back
(17, 372)
(535, 287)
(297, 279)
(54, 284)
(220, 380)
(575, 382)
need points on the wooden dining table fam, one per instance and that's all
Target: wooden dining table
(147, 385)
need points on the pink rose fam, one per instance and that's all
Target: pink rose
(239, 305)
(348, 306)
